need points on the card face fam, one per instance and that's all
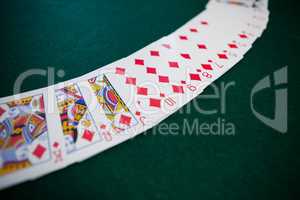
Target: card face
(192, 76)
(154, 83)
(257, 14)
(208, 62)
(115, 110)
(217, 30)
(115, 120)
(24, 137)
(79, 129)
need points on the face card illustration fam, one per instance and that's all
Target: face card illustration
(24, 139)
(77, 123)
(117, 114)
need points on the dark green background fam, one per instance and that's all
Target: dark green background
(79, 36)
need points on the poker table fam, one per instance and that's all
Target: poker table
(254, 161)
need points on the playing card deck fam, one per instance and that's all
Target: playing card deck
(47, 129)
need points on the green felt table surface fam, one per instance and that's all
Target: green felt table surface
(257, 162)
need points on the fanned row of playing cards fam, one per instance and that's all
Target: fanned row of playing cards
(47, 129)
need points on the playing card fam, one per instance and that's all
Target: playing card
(211, 63)
(78, 126)
(156, 82)
(195, 76)
(93, 117)
(257, 14)
(113, 116)
(223, 25)
(29, 144)
(209, 34)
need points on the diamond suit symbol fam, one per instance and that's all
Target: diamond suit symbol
(39, 151)
(88, 135)
(124, 119)
(155, 102)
